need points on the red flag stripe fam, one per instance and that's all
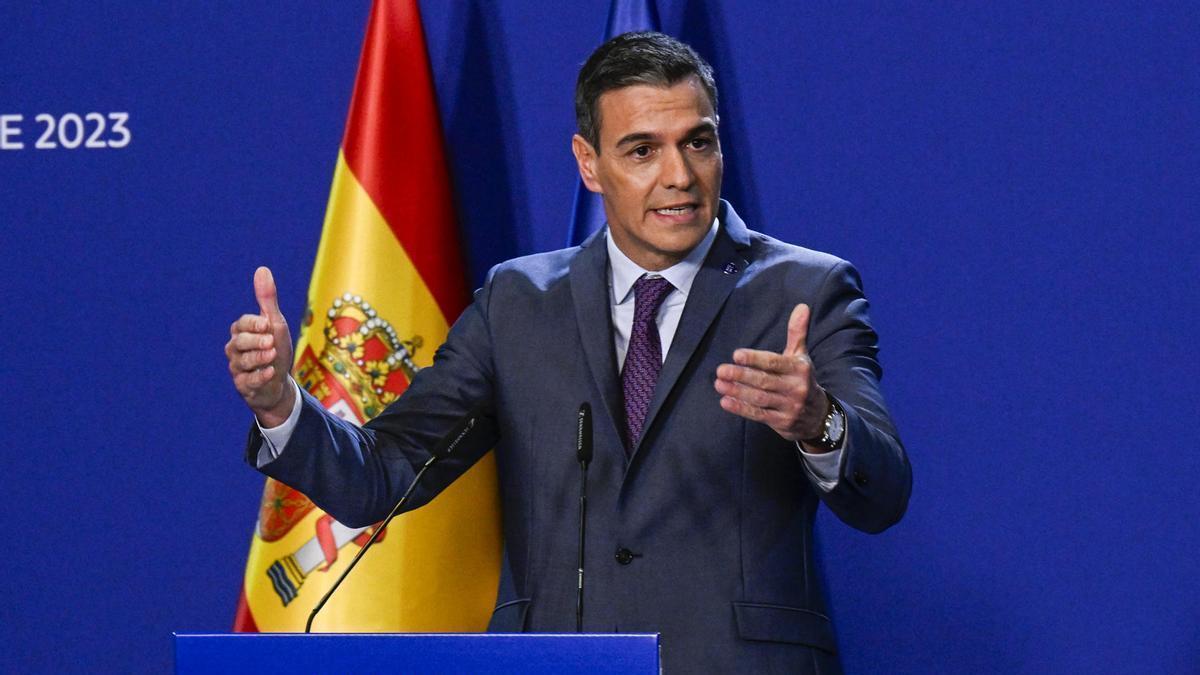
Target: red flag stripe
(243, 621)
(393, 146)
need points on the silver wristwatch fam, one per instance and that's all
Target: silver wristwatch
(834, 429)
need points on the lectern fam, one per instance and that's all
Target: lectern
(292, 653)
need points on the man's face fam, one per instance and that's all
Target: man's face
(659, 169)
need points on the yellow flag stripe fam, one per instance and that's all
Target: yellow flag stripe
(359, 254)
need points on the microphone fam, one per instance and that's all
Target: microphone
(583, 452)
(445, 447)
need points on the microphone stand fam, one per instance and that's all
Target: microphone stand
(583, 451)
(445, 447)
(375, 535)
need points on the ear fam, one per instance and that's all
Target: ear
(585, 157)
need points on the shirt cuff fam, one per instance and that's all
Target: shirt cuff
(824, 468)
(275, 439)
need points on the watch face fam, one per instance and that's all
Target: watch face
(836, 426)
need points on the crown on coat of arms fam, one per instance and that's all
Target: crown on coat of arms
(363, 356)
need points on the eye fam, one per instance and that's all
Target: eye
(700, 143)
(641, 151)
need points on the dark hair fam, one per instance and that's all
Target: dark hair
(630, 59)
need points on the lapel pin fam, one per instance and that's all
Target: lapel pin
(730, 268)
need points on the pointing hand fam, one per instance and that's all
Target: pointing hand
(777, 389)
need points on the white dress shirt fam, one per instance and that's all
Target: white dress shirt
(622, 273)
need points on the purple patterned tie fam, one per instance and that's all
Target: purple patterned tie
(643, 359)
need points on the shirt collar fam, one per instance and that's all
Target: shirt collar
(623, 272)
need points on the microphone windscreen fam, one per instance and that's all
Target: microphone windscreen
(583, 444)
(462, 429)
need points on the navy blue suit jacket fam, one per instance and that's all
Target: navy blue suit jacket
(717, 511)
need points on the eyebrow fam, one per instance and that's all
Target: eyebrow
(639, 136)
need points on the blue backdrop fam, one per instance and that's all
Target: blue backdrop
(1016, 181)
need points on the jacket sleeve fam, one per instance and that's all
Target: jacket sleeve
(875, 478)
(358, 474)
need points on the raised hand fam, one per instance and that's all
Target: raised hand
(777, 389)
(260, 354)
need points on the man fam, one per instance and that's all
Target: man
(733, 379)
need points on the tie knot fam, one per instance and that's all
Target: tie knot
(648, 292)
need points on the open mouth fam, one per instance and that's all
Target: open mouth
(676, 210)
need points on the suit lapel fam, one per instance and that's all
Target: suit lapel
(722, 269)
(589, 290)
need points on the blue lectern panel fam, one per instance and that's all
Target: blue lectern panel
(562, 654)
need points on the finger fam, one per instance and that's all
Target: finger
(230, 352)
(759, 379)
(765, 360)
(249, 323)
(749, 411)
(250, 383)
(758, 398)
(797, 331)
(741, 408)
(253, 360)
(248, 362)
(243, 342)
(753, 413)
(266, 294)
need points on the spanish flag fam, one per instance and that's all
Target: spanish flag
(387, 283)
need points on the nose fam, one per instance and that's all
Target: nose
(677, 171)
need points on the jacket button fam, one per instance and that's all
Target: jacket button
(860, 478)
(624, 556)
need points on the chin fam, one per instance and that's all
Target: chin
(683, 244)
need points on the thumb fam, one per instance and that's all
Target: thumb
(797, 337)
(265, 293)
